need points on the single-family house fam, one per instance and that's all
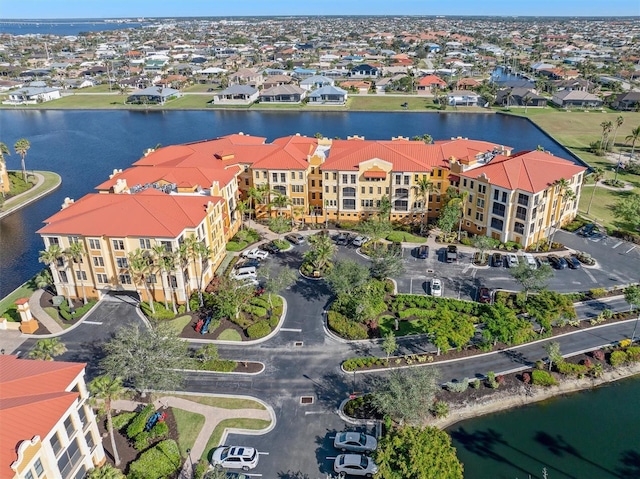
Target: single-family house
(629, 101)
(302, 73)
(328, 95)
(246, 76)
(32, 95)
(463, 98)
(283, 94)
(364, 71)
(576, 98)
(76, 83)
(520, 97)
(359, 86)
(316, 81)
(467, 84)
(276, 80)
(428, 83)
(236, 95)
(154, 95)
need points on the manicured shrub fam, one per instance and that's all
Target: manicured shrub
(440, 409)
(598, 355)
(475, 383)
(540, 377)
(625, 343)
(526, 378)
(258, 301)
(344, 327)
(141, 441)
(137, 424)
(257, 311)
(597, 292)
(159, 431)
(354, 364)
(457, 387)
(162, 460)
(491, 380)
(219, 365)
(259, 330)
(570, 369)
(161, 313)
(633, 353)
(617, 358)
(121, 421)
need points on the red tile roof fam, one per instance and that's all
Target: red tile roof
(531, 171)
(150, 213)
(184, 177)
(33, 398)
(431, 80)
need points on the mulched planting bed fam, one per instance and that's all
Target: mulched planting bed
(190, 329)
(46, 301)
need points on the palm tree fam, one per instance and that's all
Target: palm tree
(527, 101)
(280, 202)
(423, 188)
(633, 138)
(200, 252)
(183, 259)
(104, 390)
(566, 194)
(619, 122)
(50, 257)
(460, 200)
(321, 250)
(166, 264)
(106, 471)
(607, 126)
(75, 253)
(242, 208)
(21, 147)
(47, 349)
(254, 196)
(508, 97)
(598, 174)
(265, 193)
(141, 266)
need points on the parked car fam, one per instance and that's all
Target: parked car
(255, 253)
(422, 252)
(484, 295)
(542, 261)
(270, 247)
(244, 273)
(235, 457)
(436, 287)
(512, 260)
(294, 238)
(355, 465)
(355, 441)
(573, 262)
(342, 239)
(452, 253)
(496, 260)
(359, 240)
(529, 260)
(557, 262)
(248, 263)
(588, 230)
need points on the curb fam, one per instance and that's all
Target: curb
(21, 205)
(232, 373)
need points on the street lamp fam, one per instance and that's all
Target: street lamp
(190, 462)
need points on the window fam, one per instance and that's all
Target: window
(371, 190)
(69, 459)
(264, 175)
(353, 179)
(300, 174)
(471, 184)
(293, 175)
(118, 245)
(167, 245)
(326, 189)
(464, 182)
(518, 228)
(479, 216)
(279, 189)
(504, 196)
(298, 188)
(496, 195)
(73, 239)
(367, 203)
(326, 175)
(401, 205)
(173, 280)
(497, 224)
(335, 189)
(257, 175)
(349, 204)
(38, 467)
(521, 213)
(90, 442)
(82, 414)
(313, 196)
(498, 209)
(523, 199)
(406, 179)
(29, 475)
(102, 278)
(379, 190)
(313, 183)
(298, 201)
(68, 426)
(98, 261)
(122, 263)
(55, 444)
(362, 190)
(398, 179)
(63, 276)
(53, 241)
(124, 279)
(151, 279)
(145, 243)
(531, 228)
(482, 189)
(274, 177)
(349, 192)
(81, 275)
(335, 176)
(82, 473)
(283, 177)
(345, 178)
(402, 193)
(94, 244)
(439, 174)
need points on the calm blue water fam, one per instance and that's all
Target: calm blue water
(61, 26)
(85, 146)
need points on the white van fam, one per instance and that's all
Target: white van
(244, 273)
(529, 260)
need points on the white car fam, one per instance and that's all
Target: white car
(242, 274)
(512, 260)
(235, 457)
(436, 287)
(359, 241)
(355, 465)
(255, 253)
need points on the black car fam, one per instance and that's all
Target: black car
(588, 230)
(496, 260)
(422, 252)
(573, 262)
(452, 253)
(270, 247)
(342, 239)
(557, 262)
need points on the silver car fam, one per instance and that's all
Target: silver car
(359, 241)
(354, 465)
(355, 441)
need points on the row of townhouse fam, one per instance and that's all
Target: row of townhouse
(192, 190)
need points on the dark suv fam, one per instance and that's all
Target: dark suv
(422, 252)
(496, 260)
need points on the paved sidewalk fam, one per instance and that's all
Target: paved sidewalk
(41, 315)
(213, 416)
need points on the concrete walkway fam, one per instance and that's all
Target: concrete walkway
(41, 315)
(213, 416)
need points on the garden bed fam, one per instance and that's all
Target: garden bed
(46, 303)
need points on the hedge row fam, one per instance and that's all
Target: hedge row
(540, 377)
(121, 421)
(353, 364)
(137, 424)
(162, 460)
(68, 316)
(161, 313)
(344, 327)
(259, 330)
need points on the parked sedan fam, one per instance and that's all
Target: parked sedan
(270, 247)
(359, 241)
(294, 238)
(342, 239)
(557, 262)
(249, 263)
(542, 261)
(512, 260)
(573, 262)
(496, 260)
(255, 253)
(484, 295)
(355, 441)
(355, 465)
(436, 287)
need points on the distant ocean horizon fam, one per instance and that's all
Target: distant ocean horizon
(65, 26)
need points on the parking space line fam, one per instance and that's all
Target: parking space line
(291, 330)
(92, 322)
(617, 244)
(590, 275)
(630, 249)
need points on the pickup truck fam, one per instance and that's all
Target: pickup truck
(452, 253)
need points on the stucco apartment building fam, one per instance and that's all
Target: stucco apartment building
(192, 190)
(47, 430)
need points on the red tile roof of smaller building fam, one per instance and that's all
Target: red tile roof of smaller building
(33, 398)
(431, 80)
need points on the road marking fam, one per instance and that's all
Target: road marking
(291, 330)
(306, 413)
(466, 268)
(331, 458)
(617, 244)
(630, 249)
(263, 453)
(589, 274)
(92, 322)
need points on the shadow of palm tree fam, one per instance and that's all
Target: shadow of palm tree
(630, 464)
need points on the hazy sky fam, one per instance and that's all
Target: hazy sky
(189, 8)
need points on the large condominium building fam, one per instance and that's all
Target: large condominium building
(191, 192)
(47, 430)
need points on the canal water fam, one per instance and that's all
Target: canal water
(587, 435)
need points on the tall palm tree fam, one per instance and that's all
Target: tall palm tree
(141, 266)
(166, 264)
(424, 188)
(527, 101)
(254, 196)
(106, 471)
(566, 194)
(321, 250)
(76, 253)
(619, 122)
(508, 97)
(104, 390)
(460, 200)
(21, 147)
(47, 349)
(280, 202)
(633, 138)
(184, 259)
(597, 175)
(607, 126)
(50, 257)
(265, 192)
(200, 252)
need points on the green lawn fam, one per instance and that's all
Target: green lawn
(224, 402)
(179, 323)
(51, 181)
(189, 425)
(402, 236)
(242, 423)
(24, 291)
(229, 335)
